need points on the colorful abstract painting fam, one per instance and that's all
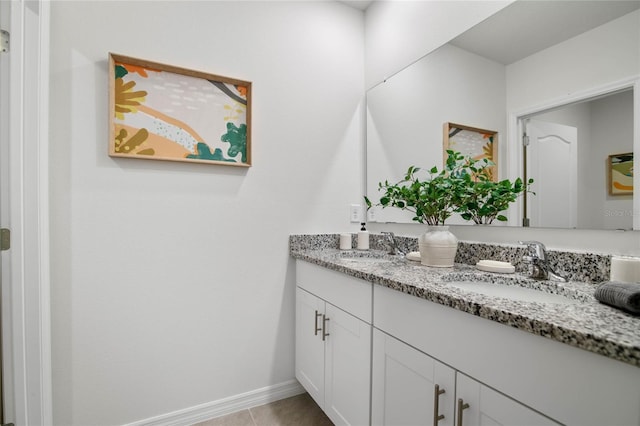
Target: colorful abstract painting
(162, 112)
(472, 142)
(620, 174)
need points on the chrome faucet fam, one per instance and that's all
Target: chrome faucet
(389, 241)
(539, 265)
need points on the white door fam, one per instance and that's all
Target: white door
(5, 331)
(409, 387)
(552, 162)
(347, 368)
(24, 158)
(479, 405)
(309, 344)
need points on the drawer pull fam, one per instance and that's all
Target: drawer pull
(324, 327)
(315, 332)
(436, 405)
(461, 407)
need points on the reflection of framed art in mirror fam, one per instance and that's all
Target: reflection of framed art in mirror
(474, 142)
(620, 174)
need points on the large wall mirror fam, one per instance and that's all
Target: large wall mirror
(564, 73)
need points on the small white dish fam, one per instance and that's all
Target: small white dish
(496, 266)
(414, 255)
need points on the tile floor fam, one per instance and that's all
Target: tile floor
(299, 410)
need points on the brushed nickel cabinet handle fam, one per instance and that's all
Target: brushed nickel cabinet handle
(436, 405)
(315, 332)
(324, 327)
(461, 406)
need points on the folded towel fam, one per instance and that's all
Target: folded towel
(625, 296)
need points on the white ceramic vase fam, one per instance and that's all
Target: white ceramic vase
(438, 247)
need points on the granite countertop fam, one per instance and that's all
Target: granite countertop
(585, 323)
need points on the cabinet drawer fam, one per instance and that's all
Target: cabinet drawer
(350, 294)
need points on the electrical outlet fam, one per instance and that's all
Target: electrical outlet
(371, 215)
(355, 213)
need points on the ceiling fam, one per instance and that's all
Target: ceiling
(529, 26)
(526, 27)
(358, 4)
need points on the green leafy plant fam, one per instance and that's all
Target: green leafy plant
(483, 199)
(463, 186)
(432, 199)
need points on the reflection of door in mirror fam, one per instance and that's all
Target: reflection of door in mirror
(602, 126)
(552, 162)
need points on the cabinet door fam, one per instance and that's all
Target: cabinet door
(482, 406)
(404, 385)
(309, 344)
(348, 368)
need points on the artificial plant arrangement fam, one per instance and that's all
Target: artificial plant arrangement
(464, 186)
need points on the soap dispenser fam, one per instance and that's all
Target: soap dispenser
(363, 238)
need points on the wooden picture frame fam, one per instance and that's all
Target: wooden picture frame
(474, 142)
(620, 174)
(163, 112)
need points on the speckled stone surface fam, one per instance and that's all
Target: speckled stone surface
(575, 266)
(579, 320)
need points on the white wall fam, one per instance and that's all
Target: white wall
(171, 282)
(409, 110)
(612, 133)
(399, 33)
(581, 63)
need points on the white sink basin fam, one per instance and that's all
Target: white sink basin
(512, 292)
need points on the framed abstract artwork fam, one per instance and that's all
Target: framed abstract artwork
(474, 142)
(620, 174)
(163, 112)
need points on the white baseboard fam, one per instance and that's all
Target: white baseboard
(200, 413)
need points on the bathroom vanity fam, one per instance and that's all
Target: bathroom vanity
(383, 340)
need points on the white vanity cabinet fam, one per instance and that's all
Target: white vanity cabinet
(384, 352)
(477, 404)
(507, 376)
(310, 343)
(408, 386)
(411, 388)
(333, 342)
